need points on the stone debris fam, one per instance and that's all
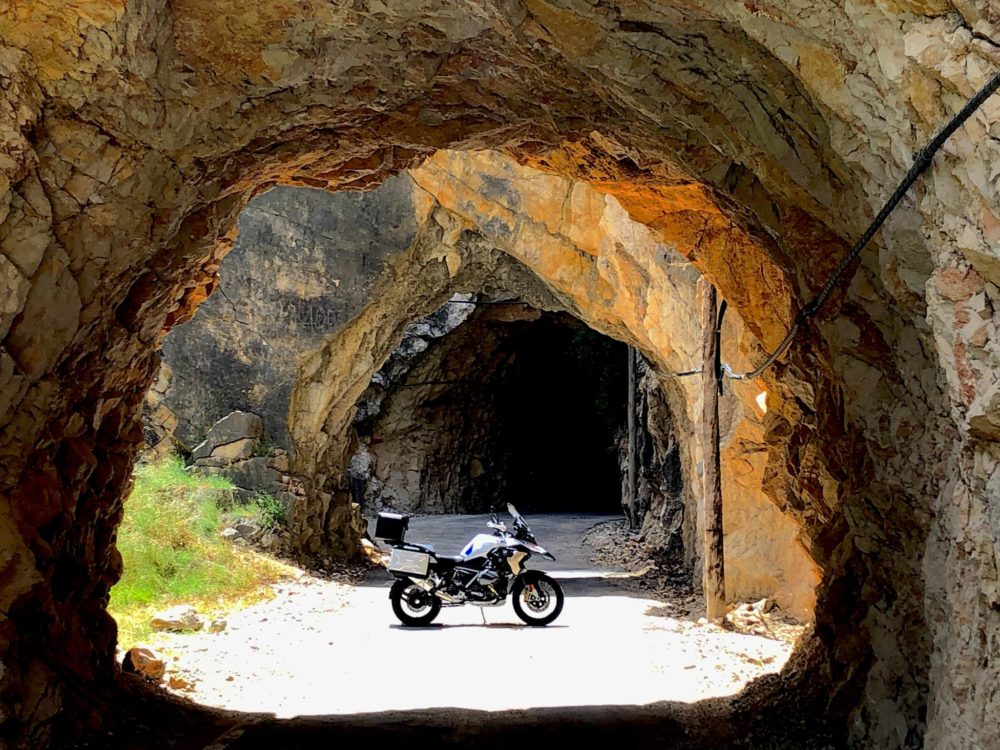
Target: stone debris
(248, 530)
(763, 618)
(658, 575)
(231, 438)
(142, 661)
(346, 572)
(176, 682)
(180, 618)
(616, 546)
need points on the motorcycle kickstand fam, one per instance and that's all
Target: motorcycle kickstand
(483, 613)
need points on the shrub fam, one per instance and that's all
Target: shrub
(172, 551)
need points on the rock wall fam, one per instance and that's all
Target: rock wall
(499, 410)
(303, 264)
(665, 507)
(756, 138)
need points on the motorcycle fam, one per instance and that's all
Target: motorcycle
(491, 567)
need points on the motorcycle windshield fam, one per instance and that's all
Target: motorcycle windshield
(517, 516)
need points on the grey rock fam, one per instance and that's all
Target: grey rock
(247, 529)
(341, 242)
(237, 427)
(179, 618)
(254, 475)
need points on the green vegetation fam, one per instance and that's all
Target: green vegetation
(173, 552)
(263, 508)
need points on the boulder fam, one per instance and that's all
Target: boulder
(235, 451)
(232, 437)
(243, 529)
(179, 618)
(143, 662)
(255, 474)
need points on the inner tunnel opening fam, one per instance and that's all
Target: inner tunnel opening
(513, 405)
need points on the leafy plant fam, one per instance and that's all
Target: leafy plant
(263, 508)
(172, 550)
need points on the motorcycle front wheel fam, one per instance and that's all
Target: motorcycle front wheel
(412, 605)
(539, 602)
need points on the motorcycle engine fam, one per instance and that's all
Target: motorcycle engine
(490, 585)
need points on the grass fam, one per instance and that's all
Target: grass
(173, 552)
(265, 509)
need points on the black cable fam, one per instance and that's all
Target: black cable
(921, 161)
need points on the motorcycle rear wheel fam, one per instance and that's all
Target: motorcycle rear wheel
(540, 603)
(413, 606)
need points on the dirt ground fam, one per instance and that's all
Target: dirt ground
(329, 647)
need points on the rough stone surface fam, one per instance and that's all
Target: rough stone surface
(512, 405)
(416, 461)
(757, 139)
(231, 438)
(181, 617)
(302, 266)
(665, 510)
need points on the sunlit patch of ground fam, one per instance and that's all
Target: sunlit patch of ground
(322, 647)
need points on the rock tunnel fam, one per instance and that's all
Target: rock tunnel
(754, 140)
(513, 404)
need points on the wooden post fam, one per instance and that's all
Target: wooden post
(714, 571)
(633, 501)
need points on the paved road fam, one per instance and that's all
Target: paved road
(559, 533)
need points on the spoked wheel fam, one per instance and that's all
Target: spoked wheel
(539, 601)
(412, 605)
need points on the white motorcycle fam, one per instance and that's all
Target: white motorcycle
(490, 567)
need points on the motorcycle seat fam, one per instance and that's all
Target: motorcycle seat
(449, 561)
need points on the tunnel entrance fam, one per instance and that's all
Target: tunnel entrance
(512, 405)
(439, 374)
(562, 417)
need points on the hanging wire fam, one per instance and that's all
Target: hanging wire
(921, 161)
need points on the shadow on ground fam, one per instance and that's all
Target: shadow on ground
(147, 717)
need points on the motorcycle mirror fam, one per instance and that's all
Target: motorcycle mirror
(494, 518)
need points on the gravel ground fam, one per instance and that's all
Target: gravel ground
(327, 646)
(612, 544)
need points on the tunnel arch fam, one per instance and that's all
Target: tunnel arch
(129, 162)
(511, 404)
(204, 237)
(459, 249)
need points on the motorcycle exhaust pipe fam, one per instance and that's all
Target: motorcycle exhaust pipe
(427, 586)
